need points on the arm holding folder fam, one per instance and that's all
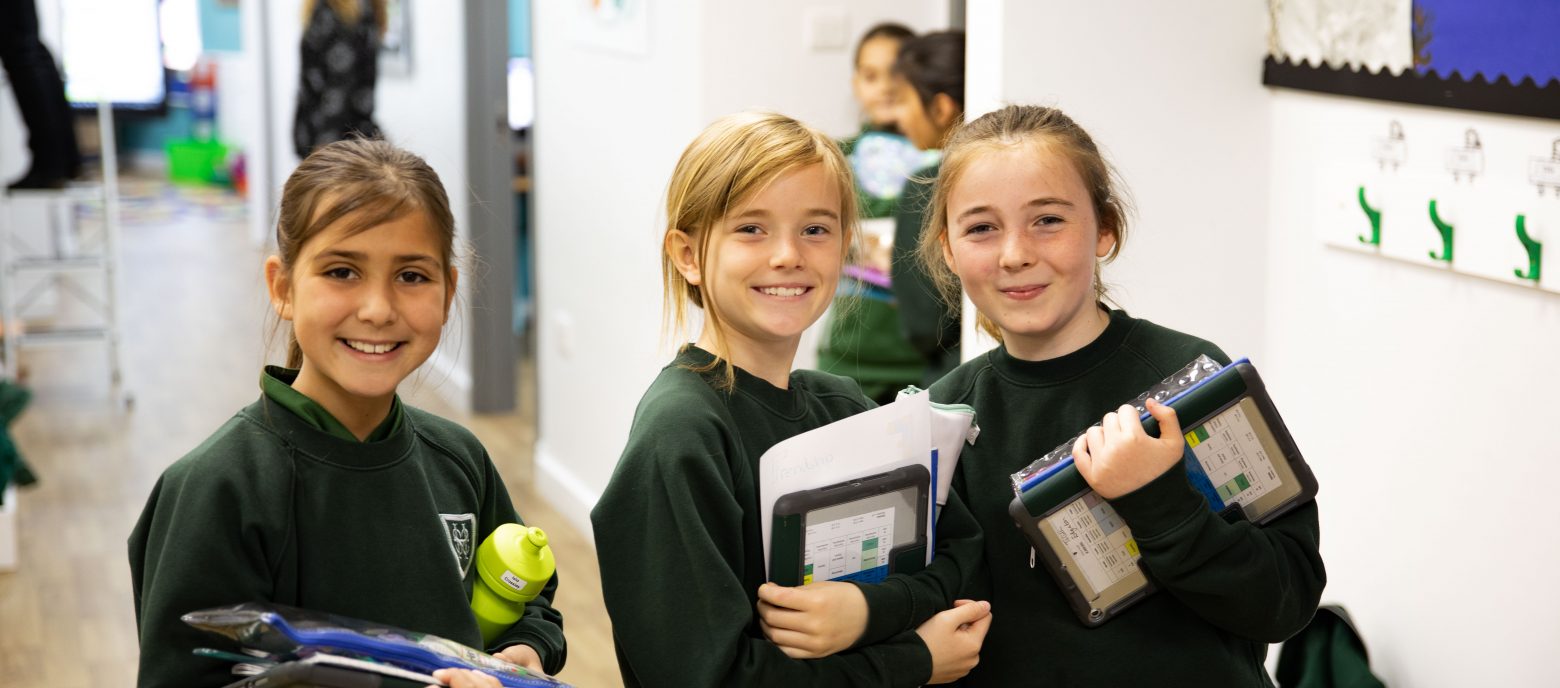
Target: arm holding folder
(822, 618)
(676, 533)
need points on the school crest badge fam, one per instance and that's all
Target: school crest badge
(462, 530)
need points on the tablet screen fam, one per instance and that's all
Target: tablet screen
(1094, 543)
(852, 541)
(1235, 464)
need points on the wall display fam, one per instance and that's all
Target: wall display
(1486, 55)
(619, 26)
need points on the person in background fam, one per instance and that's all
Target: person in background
(339, 65)
(40, 96)
(863, 339)
(929, 74)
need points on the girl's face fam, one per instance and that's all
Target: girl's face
(773, 262)
(925, 124)
(367, 309)
(872, 83)
(1024, 239)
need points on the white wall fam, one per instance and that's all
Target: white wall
(773, 67)
(423, 112)
(1421, 400)
(609, 128)
(1171, 92)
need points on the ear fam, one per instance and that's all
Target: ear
(684, 254)
(947, 251)
(944, 112)
(449, 293)
(1105, 242)
(278, 287)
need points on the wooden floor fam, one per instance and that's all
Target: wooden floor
(194, 333)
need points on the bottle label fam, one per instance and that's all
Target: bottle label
(517, 583)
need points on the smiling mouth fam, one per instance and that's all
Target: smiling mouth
(1023, 293)
(782, 291)
(370, 347)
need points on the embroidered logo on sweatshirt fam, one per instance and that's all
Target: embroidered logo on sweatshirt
(461, 528)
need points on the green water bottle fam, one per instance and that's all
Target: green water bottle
(513, 564)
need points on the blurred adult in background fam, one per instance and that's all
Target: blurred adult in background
(40, 96)
(339, 66)
(863, 339)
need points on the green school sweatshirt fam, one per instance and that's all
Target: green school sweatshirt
(677, 534)
(271, 508)
(864, 342)
(1227, 590)
(929, 324)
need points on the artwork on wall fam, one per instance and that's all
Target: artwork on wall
(1487, 55)
(619, 26)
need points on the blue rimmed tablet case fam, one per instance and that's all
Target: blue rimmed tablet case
(1238, 454)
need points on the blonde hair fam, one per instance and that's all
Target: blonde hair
(360, 183)
(1011, 126)
(734, 158)
(350, 11)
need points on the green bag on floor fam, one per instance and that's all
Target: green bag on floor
(1327, 654)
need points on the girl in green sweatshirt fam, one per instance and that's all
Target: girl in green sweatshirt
(328, 493)
(1025, 212)
(760, 211)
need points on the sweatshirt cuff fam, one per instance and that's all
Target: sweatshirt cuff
(890, 606)
(1160, 505)
(552, 659)
(908, 662)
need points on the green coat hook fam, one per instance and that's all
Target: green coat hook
(1446, 235)
(1535, 251)
(1375, 221)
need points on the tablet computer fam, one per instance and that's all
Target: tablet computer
(1238, 455)
(857, 530)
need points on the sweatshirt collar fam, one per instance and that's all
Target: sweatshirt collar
(1067, 366)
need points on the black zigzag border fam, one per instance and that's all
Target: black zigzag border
(1525, 98)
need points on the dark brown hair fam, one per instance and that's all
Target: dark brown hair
(898, 32)
(360, 184)
(933, 64)
(1011, 126)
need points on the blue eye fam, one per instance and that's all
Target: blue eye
(815, 230)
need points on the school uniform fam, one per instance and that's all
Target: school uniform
(927, 322)
(1227, 590)
(283, 505)
(864, 339)
(678, 538)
